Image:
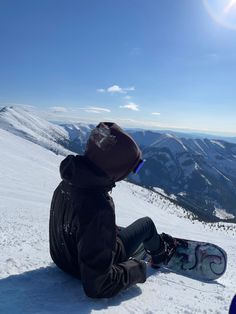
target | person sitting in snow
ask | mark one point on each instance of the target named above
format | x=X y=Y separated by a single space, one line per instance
x=84 y=239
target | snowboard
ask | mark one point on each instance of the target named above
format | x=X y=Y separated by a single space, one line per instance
x=198 y=260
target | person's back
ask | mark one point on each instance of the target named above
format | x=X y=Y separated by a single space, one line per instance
x=63 y=230
x=83 y=234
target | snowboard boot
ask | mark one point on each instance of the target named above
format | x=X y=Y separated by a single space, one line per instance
x=167 y=248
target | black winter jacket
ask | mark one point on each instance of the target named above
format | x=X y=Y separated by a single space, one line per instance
x=83 y=234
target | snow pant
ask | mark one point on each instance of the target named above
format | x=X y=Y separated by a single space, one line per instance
x=140 y=232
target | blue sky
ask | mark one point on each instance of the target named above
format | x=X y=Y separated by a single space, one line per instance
x=153 y=63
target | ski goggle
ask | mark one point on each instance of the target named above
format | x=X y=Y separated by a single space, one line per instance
x=139 y=166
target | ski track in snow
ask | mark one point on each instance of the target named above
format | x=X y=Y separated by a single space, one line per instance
x=29 y=281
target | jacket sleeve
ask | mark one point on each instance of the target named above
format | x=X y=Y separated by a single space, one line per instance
x=100 y=277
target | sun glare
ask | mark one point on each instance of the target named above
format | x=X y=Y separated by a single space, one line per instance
x=231 y=5
x=222 y=11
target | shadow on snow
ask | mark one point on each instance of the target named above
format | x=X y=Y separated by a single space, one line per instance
x=49 y=290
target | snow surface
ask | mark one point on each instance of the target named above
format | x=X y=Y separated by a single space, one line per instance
x=28 y=125
x=30 y=283
x=222 y=214
x=218 y=143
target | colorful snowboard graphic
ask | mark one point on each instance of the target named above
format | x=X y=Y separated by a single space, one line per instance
x=198 y=260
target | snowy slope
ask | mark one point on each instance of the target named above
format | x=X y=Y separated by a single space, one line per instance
x=30 y=283
x=24 y=123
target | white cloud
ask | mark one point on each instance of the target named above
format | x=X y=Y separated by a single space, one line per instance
x=131 y=106
x=92 y=111
x=95 y=109
x=58 y=109
x=132 y=121
x=131 y=88
x=99 y=109
x=156 y=113
x=116 y=89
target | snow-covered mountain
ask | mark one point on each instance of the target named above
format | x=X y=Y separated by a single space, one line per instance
x=61 y=139
x=78 y=134
x=142 y=135
x=26 y=124
x=200 y=173
x=30 y=283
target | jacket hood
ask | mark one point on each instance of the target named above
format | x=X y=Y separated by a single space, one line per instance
x=82 y=173
x=112 y=150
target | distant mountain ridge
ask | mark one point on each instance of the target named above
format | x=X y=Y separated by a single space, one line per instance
x=201 y=173
x=197 y=173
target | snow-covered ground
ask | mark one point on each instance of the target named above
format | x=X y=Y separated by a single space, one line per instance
x=30 y=283
x=28 y=125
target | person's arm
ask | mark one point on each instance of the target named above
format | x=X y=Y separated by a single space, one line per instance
x=100 y=278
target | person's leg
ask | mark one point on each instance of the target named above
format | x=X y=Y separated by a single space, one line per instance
x=143 y=231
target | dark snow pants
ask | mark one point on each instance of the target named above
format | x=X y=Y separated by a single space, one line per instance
x=141 y=231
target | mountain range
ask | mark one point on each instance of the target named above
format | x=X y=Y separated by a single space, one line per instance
x=196 y=172
x=31 y=283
